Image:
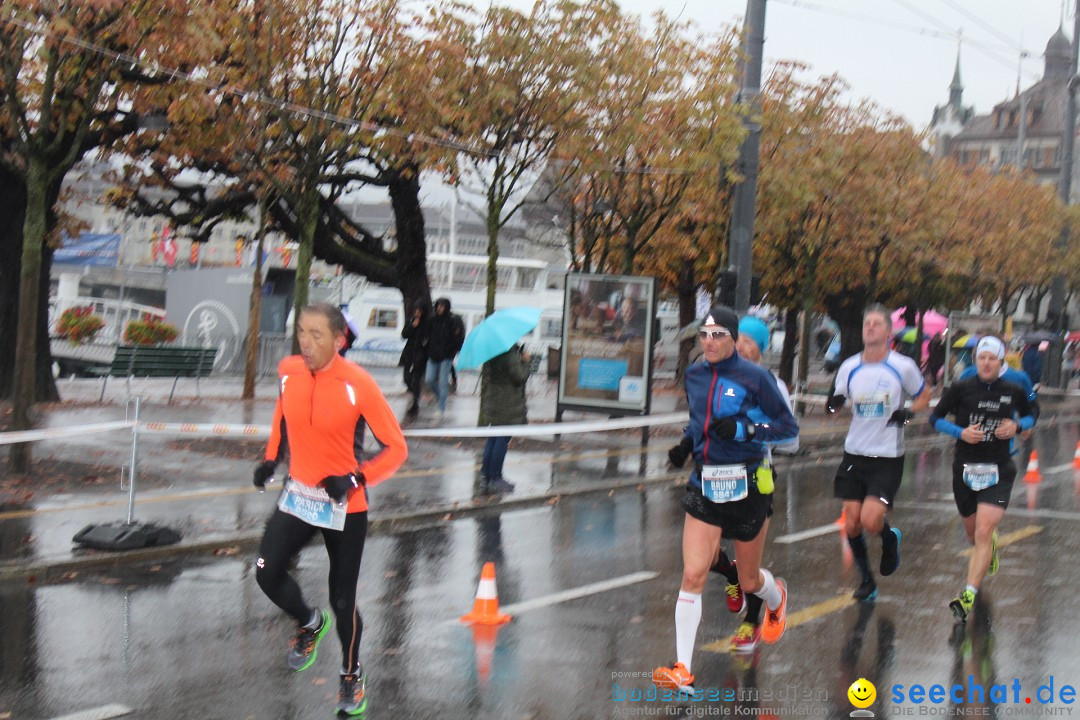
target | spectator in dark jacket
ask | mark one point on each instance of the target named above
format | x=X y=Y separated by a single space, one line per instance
x=445 y=336
x=1032 y=363
x=502 y=402
x=935 y=359
x=414 y=355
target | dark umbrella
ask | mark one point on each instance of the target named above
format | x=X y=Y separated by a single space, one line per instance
x=1034 y=337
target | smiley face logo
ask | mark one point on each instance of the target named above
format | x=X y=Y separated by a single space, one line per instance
x=862 y=693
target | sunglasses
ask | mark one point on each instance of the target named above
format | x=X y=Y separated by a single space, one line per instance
x=715 y=334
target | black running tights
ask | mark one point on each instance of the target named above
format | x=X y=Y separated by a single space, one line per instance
x=285 y=536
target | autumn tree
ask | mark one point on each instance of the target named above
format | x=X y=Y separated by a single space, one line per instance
x=68 y=74
x=386 y=124
x=659 y=123
x=524 y=80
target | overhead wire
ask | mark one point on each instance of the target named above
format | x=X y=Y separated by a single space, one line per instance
x=1011 y=42
x=981 y=47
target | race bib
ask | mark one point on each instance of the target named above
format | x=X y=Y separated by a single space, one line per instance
x=980 y=476
x=875 y=405
x=724 y=483
x=312 y=505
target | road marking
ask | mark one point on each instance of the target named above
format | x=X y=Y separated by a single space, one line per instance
x=1003 y=540
x=842 y=601
x=795 y=619
x=807 y=534
x=102 y=713
x=1013 y=512
x=578 y=592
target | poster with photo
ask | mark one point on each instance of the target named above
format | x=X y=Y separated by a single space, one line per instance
x=607 y=341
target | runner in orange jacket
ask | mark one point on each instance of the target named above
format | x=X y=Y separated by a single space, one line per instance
x=325 y=404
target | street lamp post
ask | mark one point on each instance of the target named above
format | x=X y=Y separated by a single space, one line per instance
x=741 y=235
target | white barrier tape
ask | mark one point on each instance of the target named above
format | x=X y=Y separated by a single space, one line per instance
x=21 y=436
x=566 y=428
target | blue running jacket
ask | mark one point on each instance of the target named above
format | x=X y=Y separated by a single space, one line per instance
x=733 y=388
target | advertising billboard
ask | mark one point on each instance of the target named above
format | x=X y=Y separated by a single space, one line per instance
x=607 y=341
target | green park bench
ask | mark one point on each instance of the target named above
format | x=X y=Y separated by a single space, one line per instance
x=159 y=361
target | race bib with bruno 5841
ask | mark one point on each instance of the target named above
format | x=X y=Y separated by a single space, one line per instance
x=724 y=483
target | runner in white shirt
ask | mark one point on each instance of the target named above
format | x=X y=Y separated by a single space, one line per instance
x=877 y=382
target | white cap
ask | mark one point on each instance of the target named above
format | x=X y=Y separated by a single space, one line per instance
x=990 y=344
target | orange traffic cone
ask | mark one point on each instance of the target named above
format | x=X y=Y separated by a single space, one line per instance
x=486 y=608
x=1033 y=474
x=1076 y=456
x=842 y=520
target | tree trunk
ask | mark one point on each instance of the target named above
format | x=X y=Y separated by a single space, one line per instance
x=12 y=218
x=251 y=359
x=804 y=353
x=787 y=353
x=308 y=217
x=687 y=306
x=25 y=376
x=411 y=261
x=628 y=253
x=493 y=256
x=846 y=308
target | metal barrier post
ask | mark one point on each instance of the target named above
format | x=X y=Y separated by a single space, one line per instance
x=134 y=457
x=128 y=535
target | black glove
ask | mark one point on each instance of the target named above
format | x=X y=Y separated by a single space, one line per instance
x=727 y=428
x=338 y=486
x=264 y=472
x=678 y=454
x=835 y=402
x=900 y=418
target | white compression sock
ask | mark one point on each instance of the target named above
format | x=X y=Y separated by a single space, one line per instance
x=769 y=592
x=687 y=619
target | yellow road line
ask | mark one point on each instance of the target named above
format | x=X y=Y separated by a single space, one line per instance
x=1003 y=540
x=795 y=619
x=840 y=602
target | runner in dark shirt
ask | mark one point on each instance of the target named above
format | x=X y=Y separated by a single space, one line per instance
x=989 y=412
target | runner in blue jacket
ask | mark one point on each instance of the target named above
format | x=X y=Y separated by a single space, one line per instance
x=722 y=496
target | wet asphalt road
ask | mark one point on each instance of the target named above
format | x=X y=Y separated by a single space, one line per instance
x=195 y=638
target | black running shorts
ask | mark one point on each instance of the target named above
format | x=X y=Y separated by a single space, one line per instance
x=860 y=477
x=740 y=520
x=967 y=500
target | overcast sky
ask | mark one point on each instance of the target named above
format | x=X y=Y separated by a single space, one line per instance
x=899 y=53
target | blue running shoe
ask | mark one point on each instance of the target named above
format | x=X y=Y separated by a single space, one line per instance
x=890 y=552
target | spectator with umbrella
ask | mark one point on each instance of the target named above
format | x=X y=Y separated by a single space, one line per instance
x=506 y=365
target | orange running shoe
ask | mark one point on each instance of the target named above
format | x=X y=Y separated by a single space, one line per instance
x=676 y=677
x=776 y=619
